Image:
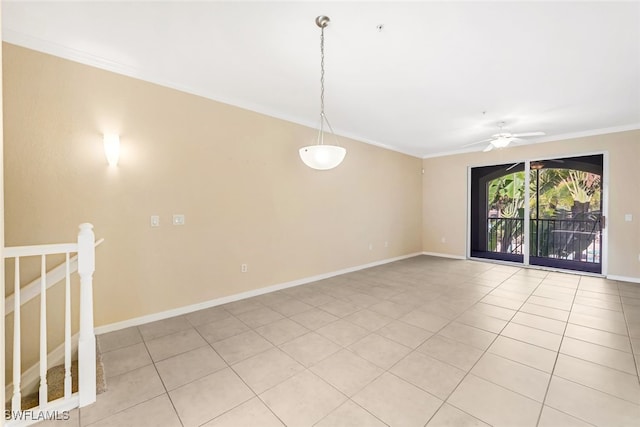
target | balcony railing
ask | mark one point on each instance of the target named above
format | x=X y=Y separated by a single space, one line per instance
x=564 y=239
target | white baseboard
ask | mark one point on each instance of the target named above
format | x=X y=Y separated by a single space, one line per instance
x=236 y=297
x=30 y=379
x=623 y=278
x=440 y=255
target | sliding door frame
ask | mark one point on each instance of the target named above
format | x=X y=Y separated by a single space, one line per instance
x=604 y=256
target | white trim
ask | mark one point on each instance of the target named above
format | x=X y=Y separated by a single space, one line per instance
x=441 y=255
x=623 y=278
x=236 y=297
x=31 y=377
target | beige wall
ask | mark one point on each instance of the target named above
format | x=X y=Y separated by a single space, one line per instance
x=444 y=194
x=2 y=358
x=235 y=175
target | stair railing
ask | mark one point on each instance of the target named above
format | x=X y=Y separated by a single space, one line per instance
x=85 y=249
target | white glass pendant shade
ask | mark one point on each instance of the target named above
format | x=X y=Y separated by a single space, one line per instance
x=322 y=157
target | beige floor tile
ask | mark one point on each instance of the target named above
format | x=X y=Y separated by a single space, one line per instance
x=342 y=332
x=118 y=339
x=590 y=405
x=539 y=322
x=427 y=321
x=316 y=299
x=514 y=376
x=186 y=367
x=527 y=354
x=432 y=375
x=380 y=351
x=516 y=296
x=608 y=380
x=606 y=356
x=252 y=413
x=302 y=400
x=449 y=416
x=596 y=336
x=362 y=300
x=309 y=349
x=493 y=404
x=204 y=399
x=125 y=359
x=595 y=302
x=370 y=320
x=281 y=331
x=455 y=353
x=468 y=335
x=242 y=346
x=267 y=369
x=502 y=302
x=157 y=412
x=482 y=321
x=635 y=344
x=164 y=327
x=346 y=371
x=170 y=345
x=601 y=313
x=208 y=315
x=493 y=311
x=598 y=295
x=391 y=309
x=350 y=414
x=550 y=302
x=610 y=325
x=221 y=329
x=532 y=336
x=314 y=319
x=290 y=307
x=553 y=418
x=396 y=402
x=124 y=391
x=405 y=334
x=339 y=308
x=259 y=317
x=549 y=312
x=242 y=306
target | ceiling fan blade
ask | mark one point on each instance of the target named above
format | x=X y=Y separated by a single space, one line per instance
x=519 y=135
x=489 y=148
x=479 y=142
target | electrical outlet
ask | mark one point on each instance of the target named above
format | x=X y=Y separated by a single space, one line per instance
x=155 y=221
x=370 y=246
x=178 y=219
x=244 y=268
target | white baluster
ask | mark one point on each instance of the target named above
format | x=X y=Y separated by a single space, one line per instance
x=87 y=340
x=67 y=330
x=43 y=332
x=16 y=401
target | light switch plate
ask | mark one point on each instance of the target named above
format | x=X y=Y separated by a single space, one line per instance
x=155 y=221
x=628 y=217
x=178 y=219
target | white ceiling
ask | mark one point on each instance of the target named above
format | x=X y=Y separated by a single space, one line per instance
x=419 y=86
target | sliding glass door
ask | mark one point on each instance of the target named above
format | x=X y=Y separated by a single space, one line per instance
x=564 y=203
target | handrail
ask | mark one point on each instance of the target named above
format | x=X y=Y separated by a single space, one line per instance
x=22 y=251
x=54 y=276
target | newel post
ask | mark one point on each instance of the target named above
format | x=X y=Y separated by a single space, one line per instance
x=87 y=340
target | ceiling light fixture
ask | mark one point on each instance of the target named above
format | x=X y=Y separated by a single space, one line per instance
x=322 y=156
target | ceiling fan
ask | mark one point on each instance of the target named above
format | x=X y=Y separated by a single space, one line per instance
x=503 y=138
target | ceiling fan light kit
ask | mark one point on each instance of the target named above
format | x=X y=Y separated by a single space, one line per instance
x=503 y=138
x=322 y=156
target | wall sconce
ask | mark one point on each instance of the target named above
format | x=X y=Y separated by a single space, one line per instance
x=112 y=148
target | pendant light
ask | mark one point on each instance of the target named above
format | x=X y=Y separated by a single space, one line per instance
x=322 y=156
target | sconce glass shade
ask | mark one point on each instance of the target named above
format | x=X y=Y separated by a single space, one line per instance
x=112 y=148
x=322 y=157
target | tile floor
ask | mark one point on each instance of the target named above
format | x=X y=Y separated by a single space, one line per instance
x=423 y=341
